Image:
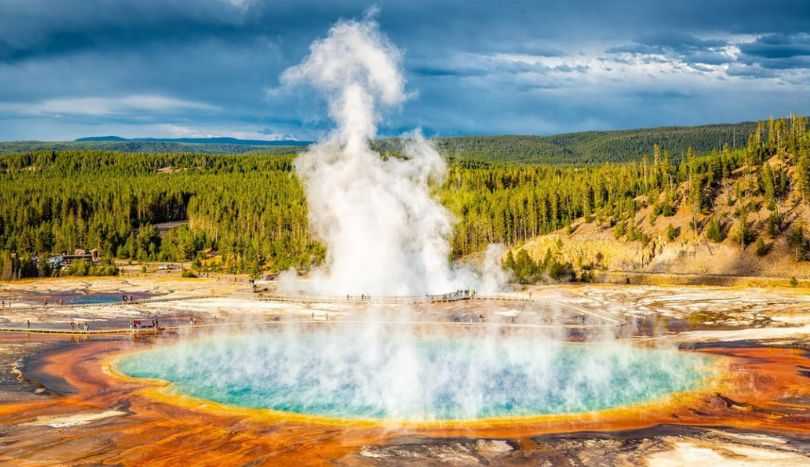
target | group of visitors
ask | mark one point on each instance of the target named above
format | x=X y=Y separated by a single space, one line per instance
x=83 y=326
x=46 y=301
x=458 y=294
x=136 y=324
x=461 y=293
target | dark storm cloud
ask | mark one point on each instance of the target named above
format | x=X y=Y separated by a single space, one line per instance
x=687 y=48
x=36 y=28
x=779 y=45
x=778 y=51
x=474 y=66
x=659 y=42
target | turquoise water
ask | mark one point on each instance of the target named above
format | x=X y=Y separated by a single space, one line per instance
x=94 y=299
x=397 y=375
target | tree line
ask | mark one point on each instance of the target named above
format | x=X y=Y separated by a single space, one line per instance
x=247 y=212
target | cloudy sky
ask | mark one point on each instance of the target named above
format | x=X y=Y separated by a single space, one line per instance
x=196 y=68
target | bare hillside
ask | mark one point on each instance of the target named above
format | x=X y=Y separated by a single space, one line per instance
x=655 y=242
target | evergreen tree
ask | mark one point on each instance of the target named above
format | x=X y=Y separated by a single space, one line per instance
x=714 y=231
x=802 y=175
x=672 y=233
x=797 y=242
x=761 y=247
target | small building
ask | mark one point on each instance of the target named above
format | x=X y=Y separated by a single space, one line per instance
x=79 y=254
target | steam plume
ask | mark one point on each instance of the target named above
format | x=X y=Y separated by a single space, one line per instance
x=385 y=233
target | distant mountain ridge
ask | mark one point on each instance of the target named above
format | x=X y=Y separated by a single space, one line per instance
x=211 y=140
x=581 y=148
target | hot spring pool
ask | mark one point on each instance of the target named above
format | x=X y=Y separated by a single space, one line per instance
x=383 y=374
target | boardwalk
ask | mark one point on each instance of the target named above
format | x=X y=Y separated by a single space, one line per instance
x=459 y=295
x=470 y=296
x=428 y=299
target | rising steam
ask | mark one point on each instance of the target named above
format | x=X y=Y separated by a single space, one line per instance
x=384 y=231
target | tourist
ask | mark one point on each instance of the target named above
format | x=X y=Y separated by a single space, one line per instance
x=28 y=323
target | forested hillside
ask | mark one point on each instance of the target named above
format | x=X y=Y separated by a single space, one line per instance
x=247 y=212
x=592 y=146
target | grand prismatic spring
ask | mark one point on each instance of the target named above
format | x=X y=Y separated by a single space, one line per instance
x=395 y=375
